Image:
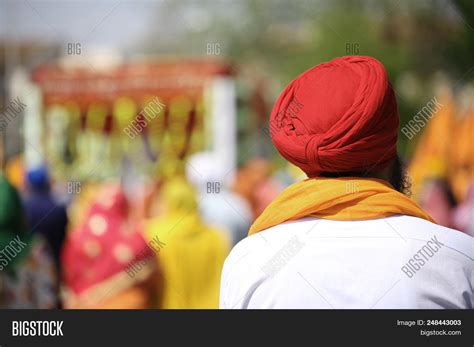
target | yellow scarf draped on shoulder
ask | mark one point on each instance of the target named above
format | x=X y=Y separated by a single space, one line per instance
x=348 y=198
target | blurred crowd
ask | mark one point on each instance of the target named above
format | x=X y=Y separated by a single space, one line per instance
x=442 y=167
x=107 y=248
x=162 y=242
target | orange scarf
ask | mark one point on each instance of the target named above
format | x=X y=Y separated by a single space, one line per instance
x=350 y=198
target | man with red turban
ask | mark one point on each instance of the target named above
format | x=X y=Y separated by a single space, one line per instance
x=348 y=236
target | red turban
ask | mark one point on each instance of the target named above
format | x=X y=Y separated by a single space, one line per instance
x=339 y=116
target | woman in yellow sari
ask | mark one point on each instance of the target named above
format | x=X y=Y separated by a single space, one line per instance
x=191 y=253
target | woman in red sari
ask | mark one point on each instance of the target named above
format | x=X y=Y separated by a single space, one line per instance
x=107 y=263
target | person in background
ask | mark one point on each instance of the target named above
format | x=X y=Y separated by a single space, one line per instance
x=28 y=277
x=254 y=182
x=266 y=188
x=15 y=172
x=192 y=254
x=437 y=198
x=348 y=236
x=463 y=215
x=44 y=215
x=106 y=262
x=218 y=205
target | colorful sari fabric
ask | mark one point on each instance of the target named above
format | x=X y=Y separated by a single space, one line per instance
x=106 y=256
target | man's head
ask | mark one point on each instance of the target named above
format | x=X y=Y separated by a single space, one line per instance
x=340 y=118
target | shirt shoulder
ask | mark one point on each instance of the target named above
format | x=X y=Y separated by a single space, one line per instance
x=417 y=229
x=248 y=270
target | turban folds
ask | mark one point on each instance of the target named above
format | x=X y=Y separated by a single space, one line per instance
x=339 y=116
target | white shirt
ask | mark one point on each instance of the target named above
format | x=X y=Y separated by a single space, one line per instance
x=399 y=262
